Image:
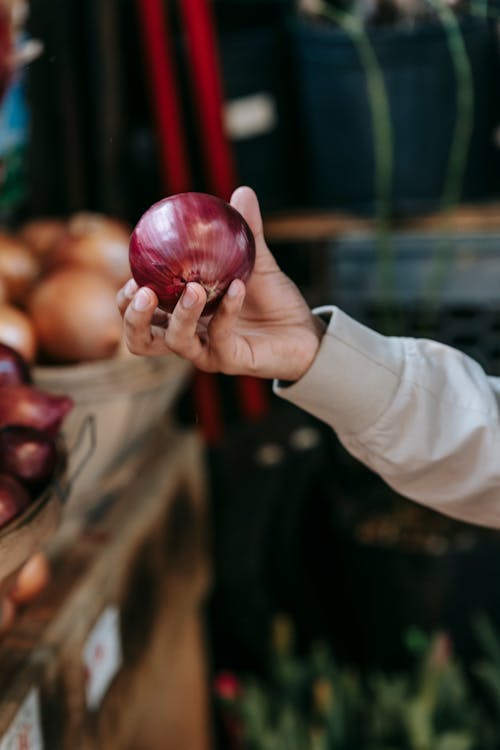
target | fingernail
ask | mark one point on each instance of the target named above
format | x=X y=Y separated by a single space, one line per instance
x=189 y=298
x=234 y=289
x=142 y=300
x=130 y=288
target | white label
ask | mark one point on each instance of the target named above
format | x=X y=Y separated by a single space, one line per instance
x=25 y=732
x=102 y=656
x=250 y=116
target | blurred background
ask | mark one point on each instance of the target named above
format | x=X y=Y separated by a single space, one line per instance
x=339 y=614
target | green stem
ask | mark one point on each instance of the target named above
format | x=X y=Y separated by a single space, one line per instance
x=383 y=144
x=460 y=143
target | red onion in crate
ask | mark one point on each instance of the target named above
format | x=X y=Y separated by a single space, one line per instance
x=191 y=237
x=29 y=455
x=26 y=405
x=14 y=499
x=14 y=369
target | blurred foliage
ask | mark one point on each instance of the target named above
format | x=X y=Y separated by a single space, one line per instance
x=312 y=703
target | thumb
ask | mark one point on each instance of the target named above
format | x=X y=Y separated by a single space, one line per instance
x=245 y=201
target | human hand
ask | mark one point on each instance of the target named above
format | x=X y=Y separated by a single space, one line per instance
x=265 y=329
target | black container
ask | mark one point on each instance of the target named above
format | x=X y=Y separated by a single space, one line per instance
x=258 y=86
x=421 y=86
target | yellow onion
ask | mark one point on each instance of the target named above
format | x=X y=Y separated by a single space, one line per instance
x=96 y=242
x=75 y=316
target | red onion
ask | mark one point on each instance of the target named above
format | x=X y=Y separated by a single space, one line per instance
x=14 y=369
x=14 y=499
x=191 y=237
x=29 y=455
x=26 y=405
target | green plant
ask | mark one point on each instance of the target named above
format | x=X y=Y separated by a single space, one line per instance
x=313 y=703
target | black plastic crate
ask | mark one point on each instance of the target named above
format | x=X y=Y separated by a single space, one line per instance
x=462 y=309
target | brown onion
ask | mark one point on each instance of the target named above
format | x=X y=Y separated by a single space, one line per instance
x=17 y=331
x=191 y=237
x=14 y=499
x=19 y=269
x=27 y=405
x=96 y=242
x=32 y=579
x=42 y=235
x=75 y=316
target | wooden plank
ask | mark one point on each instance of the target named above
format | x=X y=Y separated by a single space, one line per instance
x=322 y=226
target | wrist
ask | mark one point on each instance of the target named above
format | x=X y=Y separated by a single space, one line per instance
x=308 y=352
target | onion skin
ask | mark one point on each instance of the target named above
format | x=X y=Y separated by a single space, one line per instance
x=191 y=237
x=17 y=331
x=41 y=235
x=14 y=369
x=96 y=242
x=19 y=268
x=26 y=405
x=29 y=455
x=75 y=316
x=14 y=499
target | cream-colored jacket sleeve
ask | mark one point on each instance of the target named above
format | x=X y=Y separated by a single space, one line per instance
x=421 y=414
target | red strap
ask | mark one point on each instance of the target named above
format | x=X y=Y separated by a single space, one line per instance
x=221 y=170
x=159 y=58
x=205 y=72
x=174 y=165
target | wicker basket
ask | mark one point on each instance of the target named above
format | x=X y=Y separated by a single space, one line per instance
x=118 y=405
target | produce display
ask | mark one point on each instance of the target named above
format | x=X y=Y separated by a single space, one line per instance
x=58 y=284
x=191 y=237
x=30 y=421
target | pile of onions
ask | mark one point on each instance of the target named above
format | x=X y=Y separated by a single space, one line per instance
x=19 y=268
x=95 y=242
x=30 y=421
x=58 y=284
x=191 y=237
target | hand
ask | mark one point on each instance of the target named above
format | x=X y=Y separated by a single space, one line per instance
x=265 y=330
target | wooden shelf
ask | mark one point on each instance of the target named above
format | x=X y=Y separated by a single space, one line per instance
x=322 y=226
x=143 y=560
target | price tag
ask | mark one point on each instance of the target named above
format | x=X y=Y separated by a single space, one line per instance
x=25 y=732
x=250 y=116
x=102 y=656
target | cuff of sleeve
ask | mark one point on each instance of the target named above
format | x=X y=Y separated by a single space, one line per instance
x=353 y=378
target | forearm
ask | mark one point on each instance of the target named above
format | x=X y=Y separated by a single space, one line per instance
x=420 y=414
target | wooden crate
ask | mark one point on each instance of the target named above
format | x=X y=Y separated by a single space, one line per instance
x=125 y=603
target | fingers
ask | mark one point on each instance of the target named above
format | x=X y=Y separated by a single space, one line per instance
x=125 y=295
x=222 y=326
x=140 y=316
x=217 y=350
x=245 y=201
x=181 y=335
